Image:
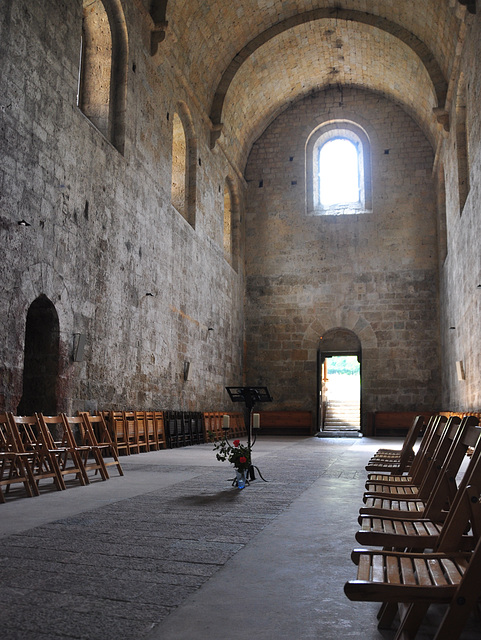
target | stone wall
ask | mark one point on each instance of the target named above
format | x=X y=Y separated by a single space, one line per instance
x=461 y=270
x=374 y=273
x=104 y=243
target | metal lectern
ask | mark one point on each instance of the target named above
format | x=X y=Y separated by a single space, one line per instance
x=249 y=396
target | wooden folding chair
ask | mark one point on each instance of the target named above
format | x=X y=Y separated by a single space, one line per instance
x=130 y=426
x=118 y=431
x=96 y=434
x=397 y=533
x=429 y=443
x=408 y=583
x=160 y=429
x=14 y=465
x=61 y=442
x=171 y=429
x=197 y=427
x=444 y=488
x=150 y=431
x=44 y=462
x=428 y=465
x=89 y=451
x=141 y=431
x=399 y=463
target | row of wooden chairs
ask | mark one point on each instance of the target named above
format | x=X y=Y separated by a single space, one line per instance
x=38 y=447
x=184 y=428
x=136 y=431
x=428 y=528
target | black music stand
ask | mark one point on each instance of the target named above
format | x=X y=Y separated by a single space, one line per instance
x=249 y=396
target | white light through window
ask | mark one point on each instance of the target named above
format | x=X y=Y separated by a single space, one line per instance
x=338 y=173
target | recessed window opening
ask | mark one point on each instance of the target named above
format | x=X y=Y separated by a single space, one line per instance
x=339 y=179
x=338 y=169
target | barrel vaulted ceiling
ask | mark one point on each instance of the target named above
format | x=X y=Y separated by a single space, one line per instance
x=247 y=61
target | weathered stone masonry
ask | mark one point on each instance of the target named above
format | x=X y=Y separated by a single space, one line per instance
x=150 y=287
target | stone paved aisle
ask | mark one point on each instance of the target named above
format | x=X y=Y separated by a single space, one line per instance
x=173 y=552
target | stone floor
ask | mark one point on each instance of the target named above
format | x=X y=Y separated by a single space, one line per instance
x=171 y=551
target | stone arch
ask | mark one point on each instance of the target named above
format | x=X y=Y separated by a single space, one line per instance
x=419 y=48
x=340 y=339
x=345 y=319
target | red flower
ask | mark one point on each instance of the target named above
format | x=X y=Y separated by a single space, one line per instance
x=236 y=443
x=242 y=459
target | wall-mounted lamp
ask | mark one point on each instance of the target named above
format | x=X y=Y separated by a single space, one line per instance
x=79 y=340
x=186 y=371
x=451 y=328
x=151 y=295
x=23 y=223
x=460 y=370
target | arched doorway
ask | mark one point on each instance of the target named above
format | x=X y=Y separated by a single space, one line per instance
x=339 y=382
x=40 y=368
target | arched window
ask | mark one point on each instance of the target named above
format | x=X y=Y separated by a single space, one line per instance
x=103 y=68
x=184 y=153
x=179 y=167
x=231 y=223
x=227 y=222
x=339 y=173
x=462 y=144
x=338 y=169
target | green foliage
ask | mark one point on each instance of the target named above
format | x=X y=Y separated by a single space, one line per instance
x=343 y=365
x=236 y=453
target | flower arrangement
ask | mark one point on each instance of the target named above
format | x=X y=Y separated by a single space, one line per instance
x=236 y=453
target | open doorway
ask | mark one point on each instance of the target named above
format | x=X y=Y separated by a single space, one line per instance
x=341 y=393
x=339 y=382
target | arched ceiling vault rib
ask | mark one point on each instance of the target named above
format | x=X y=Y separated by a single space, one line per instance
x=422 y=51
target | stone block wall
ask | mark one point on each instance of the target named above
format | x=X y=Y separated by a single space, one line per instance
x=374 y=273
x=460 y=298
x=104 y=243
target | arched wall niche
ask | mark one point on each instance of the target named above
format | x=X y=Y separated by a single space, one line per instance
x=38 y=280
x=41 y=359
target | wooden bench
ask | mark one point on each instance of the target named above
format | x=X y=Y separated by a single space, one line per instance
x=286 y=423
x=394 y=423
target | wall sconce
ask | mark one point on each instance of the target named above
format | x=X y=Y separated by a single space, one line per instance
x=79 y=340
x=460 y=370
x=23 y=223
x=186 y=371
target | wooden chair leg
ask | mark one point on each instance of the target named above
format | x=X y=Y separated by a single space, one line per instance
x=386 y=615
x=411 y=618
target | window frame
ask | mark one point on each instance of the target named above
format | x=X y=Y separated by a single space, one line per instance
x=324 y=133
